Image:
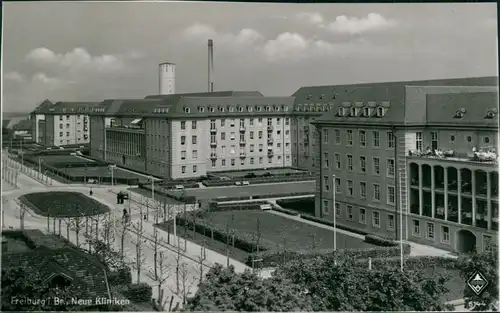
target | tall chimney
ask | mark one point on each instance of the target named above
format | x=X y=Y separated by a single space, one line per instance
x=210 y=65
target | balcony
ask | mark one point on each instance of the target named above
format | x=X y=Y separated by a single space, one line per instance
x=482 y=155
x=242 y=128
x=213 y=144
x=270 y=152
x=270 y=141
x=243 y=142
x=243 y=155
x=213 y=156
x=270 y=128
x=213 y=130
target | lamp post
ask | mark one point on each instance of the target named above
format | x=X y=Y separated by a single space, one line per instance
x=334 y=215
x=152 y=189
x=111 y=167
x=39 y=167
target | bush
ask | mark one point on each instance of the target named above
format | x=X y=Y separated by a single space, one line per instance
x=140 y=292
x=379 y=241
x=271 y=258
x=122 y=276
x=304 y=205
x=286 y=211
x=221 y=206
x=330 y=223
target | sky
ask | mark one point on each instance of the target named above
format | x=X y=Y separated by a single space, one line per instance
x=78 y=51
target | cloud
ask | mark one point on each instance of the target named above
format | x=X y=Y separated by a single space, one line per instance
x=311 y=17
x=41 y=79
x=354 y=25
x=79 y=59
x=14 y=77
x=245 y=37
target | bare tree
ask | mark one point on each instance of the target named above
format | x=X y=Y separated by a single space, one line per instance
x=187 y=282
x=108 y=230
x=177 y=266
x=156 y=244
x=139 y=256
x=22 y=214
x=160 y=274
x=185 y=226
x=77 y=223
x=201 y=259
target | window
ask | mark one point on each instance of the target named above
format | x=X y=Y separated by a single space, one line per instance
x=391 y=140
x=376 y=219
x=260 y=134
x=60 y=126
x=419 y=141
x=183 y=169
x=193 y=140
x=416 y=228
x=287 y=121
x=349 y=163
x=390 y=167
x=223 y=163
x=430 y=231
x=349 y=213
x=193 y=125
x=376 y=139
x=183 y=155
x=260 y=147
x=337 y=185
x=270 y=160
x=486 y=140
x=325 y=183
x=434 y=141
x=376 y=166
x=350 y=188
x=362 y=138
x=223 y=150
x=67 y=125
x=231 y=122
x=390 y=221
x=194 y=154
x=287 y=133
x=213 y=163
x=325 y=206
x=251 y=121
x=391 y=195
x=337 y=209
x=223 y=136
x=183 y=140
x=251 y=134
x=60 y=117
x=349 y=137
x=325 y=159
x=337 y=161
x=338 y=137
x=362 y=190
x=252 y=160
x=183 y=125
x=362 y=216
x=212 y=124
x=325 y=135
x=233 y=149
x=195 y=168
x=376 y=192
x=445 y=234
x=362 y=164
x=260 y=160
x=61 y=134
x=233 y=162
x=278 y=145
x=252 y=147
x=212 y=138
x=233 y=135
x=222 y=123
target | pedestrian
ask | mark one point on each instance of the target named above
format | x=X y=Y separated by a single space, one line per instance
x=91 y=192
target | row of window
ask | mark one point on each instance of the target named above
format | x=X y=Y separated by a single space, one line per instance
x=419 y=140
x=232 y=162
x=67 y=117
x=248 y=108
x=260 y=120
x=61 y=134
x=430 y=232
x=362 y=164
x=232 y=148
x=362 y=138
x=362 y=189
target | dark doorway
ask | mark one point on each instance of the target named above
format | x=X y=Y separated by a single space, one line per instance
x=466 y=241
x=123 y=160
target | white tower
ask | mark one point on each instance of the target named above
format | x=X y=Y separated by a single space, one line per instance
x=166 y=78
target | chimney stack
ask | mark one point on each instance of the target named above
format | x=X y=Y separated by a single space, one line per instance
x=210 y=65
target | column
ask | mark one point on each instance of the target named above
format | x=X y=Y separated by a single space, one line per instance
x=488 y=198
x=459 y=191
x=445 y=193
x=473 y=180
x=433 y=192
x=420 y=191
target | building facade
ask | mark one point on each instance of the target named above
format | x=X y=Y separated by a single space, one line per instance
x=398 y=148
x=190 y=135
x=61 y=123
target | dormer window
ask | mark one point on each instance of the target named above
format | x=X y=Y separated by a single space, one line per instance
x=460 y=113
x=491 y=113
x=354 y=112
x=201 y=109
x=221 y=109
x=249 y=108
x=318 y=109
x=285 y=108
x=322 y=96
x=259 y=109
x=367 y=112
x=231 y=109
x=240 y=109
x=324 y=109
x=380 y=112
x=276 y=108
x=342 y=111
x=212 y=109
x=309 y=96
x=187 y=110
x=268 y=109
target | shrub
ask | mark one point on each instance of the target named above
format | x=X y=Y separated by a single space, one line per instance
x=286 y=211
x=379 y=241
x=330 y=223
x=122 y=276
x=236 y=206
x=304 y=205
x=140 y=292
x=272 y=258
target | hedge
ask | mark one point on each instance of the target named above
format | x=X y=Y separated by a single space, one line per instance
x=303 y=205
x=214 y=206
x=122 y=276
x=138 y=293
x=258 y=180
x=271 y=258
x=286 y=211
x=330 y=223
x=419 y=262
x=241 y=241
x=379 y=241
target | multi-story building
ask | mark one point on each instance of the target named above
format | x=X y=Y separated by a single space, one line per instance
x=392 y=148
x=61 y=123
x=312 y=102
x=190 y=135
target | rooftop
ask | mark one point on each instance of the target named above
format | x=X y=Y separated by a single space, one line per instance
x=62 y=107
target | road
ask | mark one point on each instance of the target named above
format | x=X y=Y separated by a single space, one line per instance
x=189 y=253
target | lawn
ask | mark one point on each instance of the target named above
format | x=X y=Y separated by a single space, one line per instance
x=274 y=229
x=59 y=160
x=252 y=190
x=63 y=204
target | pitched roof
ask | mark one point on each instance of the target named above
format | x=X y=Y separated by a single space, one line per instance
x=442 y=108
x=211 y=94
x=62 y=107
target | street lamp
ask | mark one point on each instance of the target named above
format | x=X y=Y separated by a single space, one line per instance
x=111 y=167
x=334 y=215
